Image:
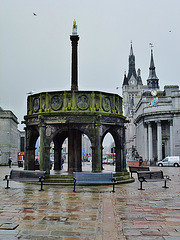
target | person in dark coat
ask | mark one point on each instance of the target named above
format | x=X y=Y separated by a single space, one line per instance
x=10 y=162
x=140 y=162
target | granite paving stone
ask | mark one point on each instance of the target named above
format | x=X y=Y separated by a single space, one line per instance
x=92 y=213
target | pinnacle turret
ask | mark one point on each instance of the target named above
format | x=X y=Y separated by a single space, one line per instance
x=152 y=81
x=132 y=70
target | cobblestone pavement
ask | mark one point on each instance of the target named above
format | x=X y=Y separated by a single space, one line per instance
x=92 y=213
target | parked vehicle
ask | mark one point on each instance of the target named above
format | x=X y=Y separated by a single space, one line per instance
x=105 y=161
x=172 y=161
x=110 y=161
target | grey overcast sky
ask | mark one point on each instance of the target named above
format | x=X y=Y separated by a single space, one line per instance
x=36 y=50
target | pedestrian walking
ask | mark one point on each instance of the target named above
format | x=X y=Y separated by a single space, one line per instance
x=10 y=162
x=140 y=162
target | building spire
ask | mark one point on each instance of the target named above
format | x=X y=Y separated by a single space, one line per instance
x=132 y=70
x=152 y=81
x=125 y=81
x=131 y=50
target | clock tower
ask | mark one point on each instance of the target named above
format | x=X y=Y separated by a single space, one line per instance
x=132 y=86
x=131 y=89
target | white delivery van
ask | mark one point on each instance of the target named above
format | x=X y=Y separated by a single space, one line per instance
x=173 y=161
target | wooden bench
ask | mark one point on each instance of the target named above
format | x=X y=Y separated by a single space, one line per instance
x=152 y=176
x=134 y=169
x=84 y=178
x=25 y=176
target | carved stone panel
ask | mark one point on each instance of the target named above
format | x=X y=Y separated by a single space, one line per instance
x=56 y=102
x=36 y=104
x=83 y=102
x=106 y=104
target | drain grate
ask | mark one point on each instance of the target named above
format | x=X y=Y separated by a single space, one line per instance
x=8 y=226
x=56 y=219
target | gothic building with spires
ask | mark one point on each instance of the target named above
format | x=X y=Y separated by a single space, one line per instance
x=153 y=115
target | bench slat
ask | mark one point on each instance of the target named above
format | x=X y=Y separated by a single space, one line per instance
x=151 y=176
x=26 y=176
x=134 y=169
x=93 y=178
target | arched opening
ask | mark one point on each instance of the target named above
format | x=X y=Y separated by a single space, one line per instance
x=37 y=154
x=70 y=150
x=31 y=148
x=108 y=153
x=59 y=155
x=86 y=153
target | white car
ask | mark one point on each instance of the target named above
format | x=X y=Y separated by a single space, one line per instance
x=173 y=161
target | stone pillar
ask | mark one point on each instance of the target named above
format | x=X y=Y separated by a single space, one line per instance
x=145 y=143
x=96 y=150
x=123 y=149
x=120 y=150
x=29 y=163
x=171 y=139
x=150 y=146
x=118 y=167
x=30 y=159
x=57 y=157
x=74 y=151
x=159 y=141
x=44 y=150
x=74 y=73
x=101 y=158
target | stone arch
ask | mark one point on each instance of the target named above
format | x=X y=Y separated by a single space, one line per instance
x=58 y=141
x=73 y=132
x=32 y=135
x=117 y=134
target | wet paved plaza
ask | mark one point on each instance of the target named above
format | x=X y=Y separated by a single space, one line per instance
x=92 y=213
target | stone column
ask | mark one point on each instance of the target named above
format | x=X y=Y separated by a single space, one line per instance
x=150 y=146
x=74 y=151
x=30 y=159
x=29 y=163
x=74 y=74
x=44 y=150
x=57 y=157
x=123 y=149
x=118 y=167
x=96 y=150
x=159 y=141
x=145 y=143
x=171 y=138
x=120 y=154
x=101 y=158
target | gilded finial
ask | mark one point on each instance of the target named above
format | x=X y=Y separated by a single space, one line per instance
x=74 y=31
x=151 y=45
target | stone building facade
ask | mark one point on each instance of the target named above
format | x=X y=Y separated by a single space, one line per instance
x=157 y=120
x=153 y=115
x=9 y=137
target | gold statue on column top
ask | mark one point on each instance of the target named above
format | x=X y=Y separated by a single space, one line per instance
x=74 y=31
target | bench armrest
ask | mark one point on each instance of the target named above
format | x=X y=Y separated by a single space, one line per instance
x=6 y=177
x=41 y=178
x=167 y=177
x=142 y=179
x=113 y=179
